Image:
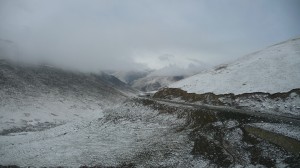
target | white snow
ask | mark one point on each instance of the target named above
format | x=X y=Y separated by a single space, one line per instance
x=274 y=69
x=49 y=109
x=126 y=133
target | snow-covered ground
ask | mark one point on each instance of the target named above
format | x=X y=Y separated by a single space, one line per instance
x=274 y=69
x=127 y=133
x=45 y=111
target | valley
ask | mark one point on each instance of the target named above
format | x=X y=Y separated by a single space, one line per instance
x=52 y=117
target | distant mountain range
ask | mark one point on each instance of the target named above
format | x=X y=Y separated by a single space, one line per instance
x=153 y=80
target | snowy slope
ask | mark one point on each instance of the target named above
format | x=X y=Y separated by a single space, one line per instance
x=40 y=97
x=124 y=134
x=274 y=69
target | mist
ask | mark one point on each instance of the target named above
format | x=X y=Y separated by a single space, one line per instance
x=132 y=34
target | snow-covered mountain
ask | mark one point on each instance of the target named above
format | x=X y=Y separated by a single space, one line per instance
x=273 y=69
x=129 y=76
x=152 y=83
x=42 y=96
x=166 y=76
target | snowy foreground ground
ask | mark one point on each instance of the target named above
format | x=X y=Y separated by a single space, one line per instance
x=124 y=134
x=134 y=135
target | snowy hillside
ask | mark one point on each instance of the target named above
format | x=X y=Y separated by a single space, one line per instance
x=274 y=69
x=35 y=98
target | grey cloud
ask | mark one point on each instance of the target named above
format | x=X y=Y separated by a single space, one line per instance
x=93 y=35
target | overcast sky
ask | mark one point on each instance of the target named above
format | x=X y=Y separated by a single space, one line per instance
x=132 y=34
